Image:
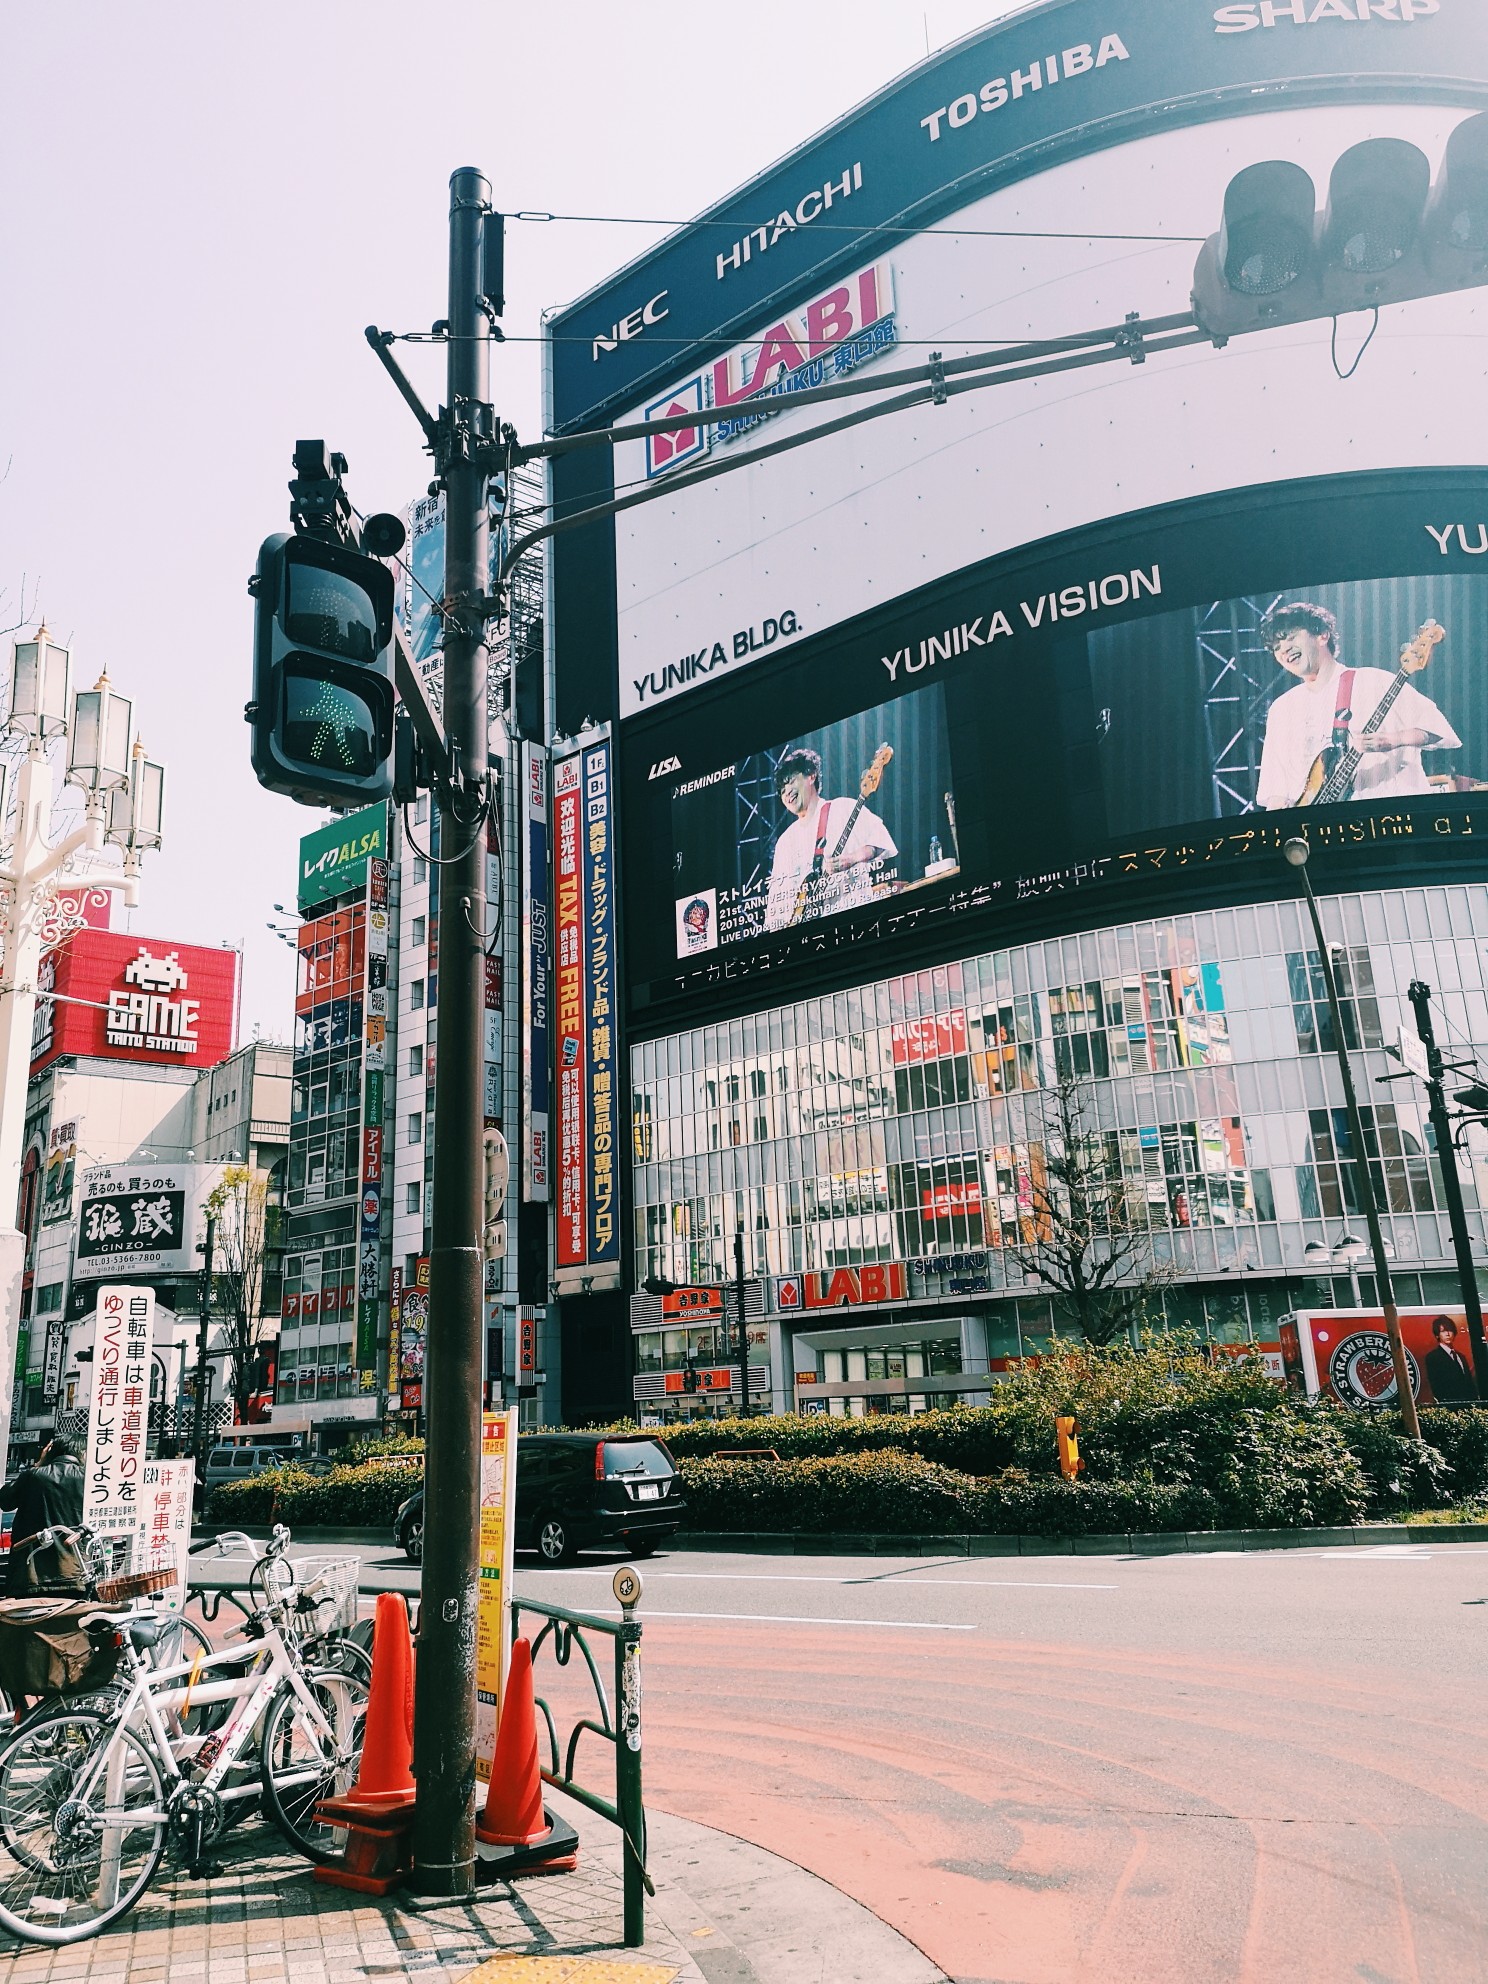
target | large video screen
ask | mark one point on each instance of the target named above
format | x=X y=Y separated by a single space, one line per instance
x=1175 y=697
x=828 y=820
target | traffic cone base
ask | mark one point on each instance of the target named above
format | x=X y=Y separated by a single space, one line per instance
x=555 y=1851
x=379 y=1843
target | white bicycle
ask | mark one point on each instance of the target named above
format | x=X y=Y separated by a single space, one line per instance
x=90 y=1801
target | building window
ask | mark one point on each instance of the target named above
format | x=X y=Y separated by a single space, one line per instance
x=416 y=934
x=1356 y=999
x=416 y=995
x=414 y=1195
x=415 y=1128
x=416 y=1059
x=420 y=869
x=421 y=809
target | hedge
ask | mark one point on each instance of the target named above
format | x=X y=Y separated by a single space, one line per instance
x=365 y=1496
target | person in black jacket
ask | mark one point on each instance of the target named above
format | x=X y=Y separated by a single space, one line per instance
x=1447 y=1371
x=46 y=1496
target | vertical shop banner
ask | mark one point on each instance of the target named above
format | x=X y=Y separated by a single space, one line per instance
x=395 y=1328
x=535 y=970
x=167 y=1491
x=498 y=1500
x=413 y=1331
x=119 y=1414
x=568 y=973
x=374 y=1064
x=602 y=1228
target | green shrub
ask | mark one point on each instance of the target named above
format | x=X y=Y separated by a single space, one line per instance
x=855 y=1492
x=251 y=1500
x=347 y=1498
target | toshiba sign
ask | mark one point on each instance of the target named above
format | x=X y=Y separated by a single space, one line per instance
x=137 y=999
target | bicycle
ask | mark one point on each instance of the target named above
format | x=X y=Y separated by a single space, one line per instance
x=90 y=1800
x=323 y=1625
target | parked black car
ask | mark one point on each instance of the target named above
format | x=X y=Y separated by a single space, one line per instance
x=578 y=1492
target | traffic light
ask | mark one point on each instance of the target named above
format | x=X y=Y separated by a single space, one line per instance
x=1386 y=234
x=1474 y=1098
x=493 y=1225
x=1065 y=1434
x=322 y=709
x=690 y=1379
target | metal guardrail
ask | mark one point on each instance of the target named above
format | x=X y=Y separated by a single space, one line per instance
x=567 y=1630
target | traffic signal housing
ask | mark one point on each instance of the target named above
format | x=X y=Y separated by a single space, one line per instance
x=1386 y=235
x=323 y=699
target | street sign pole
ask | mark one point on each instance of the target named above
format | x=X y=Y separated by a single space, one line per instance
x=1419 y=995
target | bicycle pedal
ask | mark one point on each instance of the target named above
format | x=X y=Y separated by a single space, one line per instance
x=204 y=1870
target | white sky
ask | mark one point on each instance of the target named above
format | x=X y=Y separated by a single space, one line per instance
x=203 y=207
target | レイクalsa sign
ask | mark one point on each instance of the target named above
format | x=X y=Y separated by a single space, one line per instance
x=137 y=999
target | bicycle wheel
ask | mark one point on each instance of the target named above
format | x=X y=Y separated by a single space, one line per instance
x=304 y=1763
x=80 y=1861
x=339 y=1653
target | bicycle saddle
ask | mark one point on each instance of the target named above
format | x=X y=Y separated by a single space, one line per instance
x=144 y=1629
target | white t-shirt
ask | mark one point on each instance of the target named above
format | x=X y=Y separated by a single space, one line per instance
x=1299 y=724
x=795 y=852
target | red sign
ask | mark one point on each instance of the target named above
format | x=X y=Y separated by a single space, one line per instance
x=526 y=1345
x=147 y=1001
x=707 y=1381
x=843 y=1288
x=954 y=1201
x=1346 y=1354
x=929 y=1040
x=371 y=1155
x=692 y=1305
x=569 y=978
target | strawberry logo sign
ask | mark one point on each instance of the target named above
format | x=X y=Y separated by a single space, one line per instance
x=1362 y=1373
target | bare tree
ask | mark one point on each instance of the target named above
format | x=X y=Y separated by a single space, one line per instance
x=245 y=1238
x=1085 y=1236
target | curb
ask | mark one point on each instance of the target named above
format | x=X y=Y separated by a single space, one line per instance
x=1125 y=1544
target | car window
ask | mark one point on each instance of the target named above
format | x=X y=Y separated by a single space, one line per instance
x=221 y=1457
x=242 y=1459
x=637 y=1457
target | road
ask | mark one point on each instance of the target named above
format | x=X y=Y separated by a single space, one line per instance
x=1262 y=1768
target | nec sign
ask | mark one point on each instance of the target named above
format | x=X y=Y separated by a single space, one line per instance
x=631 y=326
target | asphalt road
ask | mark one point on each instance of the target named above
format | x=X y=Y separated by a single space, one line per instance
x=1259 y=1767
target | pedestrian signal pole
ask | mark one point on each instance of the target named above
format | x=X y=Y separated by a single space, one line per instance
x=444 y=1704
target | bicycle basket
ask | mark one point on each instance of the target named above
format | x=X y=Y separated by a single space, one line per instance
x=45 y=1651
x=134 y=1584
x=334 y=1608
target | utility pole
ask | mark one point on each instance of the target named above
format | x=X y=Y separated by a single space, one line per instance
x=1295 y=852
x=444 y=1710
x=743 y=1344
x=1419 y=995
x=204 y=1307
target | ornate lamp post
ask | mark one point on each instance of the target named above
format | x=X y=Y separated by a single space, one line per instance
x=41 y=887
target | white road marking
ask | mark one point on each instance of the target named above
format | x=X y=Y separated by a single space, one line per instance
x=907 y=1579
x=795 y=1619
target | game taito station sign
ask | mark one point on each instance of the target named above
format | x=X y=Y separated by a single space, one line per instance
x=334 y=858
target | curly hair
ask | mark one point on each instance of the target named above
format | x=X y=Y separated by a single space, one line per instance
x=1299 y=616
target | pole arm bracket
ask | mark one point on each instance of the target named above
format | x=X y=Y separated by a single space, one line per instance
x=381 y=343
x=426 y=725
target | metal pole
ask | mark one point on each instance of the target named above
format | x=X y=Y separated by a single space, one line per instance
x=1419 y=995
x=628 y=1798
x=444 y=1707
x=743 y=1344
x=1365 y=1184
x=204 y=1306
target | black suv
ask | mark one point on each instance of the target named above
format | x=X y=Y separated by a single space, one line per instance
x=576 y=1491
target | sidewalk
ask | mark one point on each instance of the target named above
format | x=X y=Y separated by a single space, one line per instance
x=725 y=1913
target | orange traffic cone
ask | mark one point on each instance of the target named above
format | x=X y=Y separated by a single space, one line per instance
x=377 y=1813
x=514 y=1810
x=386 y=1772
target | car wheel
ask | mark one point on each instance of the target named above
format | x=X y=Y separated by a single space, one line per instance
x=413 y=1543
x=554 y=1544
x=643 y=1549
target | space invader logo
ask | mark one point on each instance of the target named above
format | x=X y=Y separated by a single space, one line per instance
x=683 y=444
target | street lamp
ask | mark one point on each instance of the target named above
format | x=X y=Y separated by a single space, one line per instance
x=1346 y=1253
x=42 y=882
x=1296 y=852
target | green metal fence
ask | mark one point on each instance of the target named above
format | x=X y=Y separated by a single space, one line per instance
x=564 y=1631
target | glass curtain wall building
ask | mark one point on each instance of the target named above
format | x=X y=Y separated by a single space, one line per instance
x=904 y=1127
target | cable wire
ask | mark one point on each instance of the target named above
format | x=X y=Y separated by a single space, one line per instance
x=859 y=228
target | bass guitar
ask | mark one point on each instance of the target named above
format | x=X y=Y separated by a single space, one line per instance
x=1336 y=766
x=868 y=784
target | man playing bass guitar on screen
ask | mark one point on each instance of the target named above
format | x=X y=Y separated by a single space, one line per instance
x=1344 y=732
x=829 y=856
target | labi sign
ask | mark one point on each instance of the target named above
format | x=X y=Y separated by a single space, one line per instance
x=335 y=858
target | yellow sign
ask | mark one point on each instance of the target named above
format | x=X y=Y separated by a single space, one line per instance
x=498 y=1499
